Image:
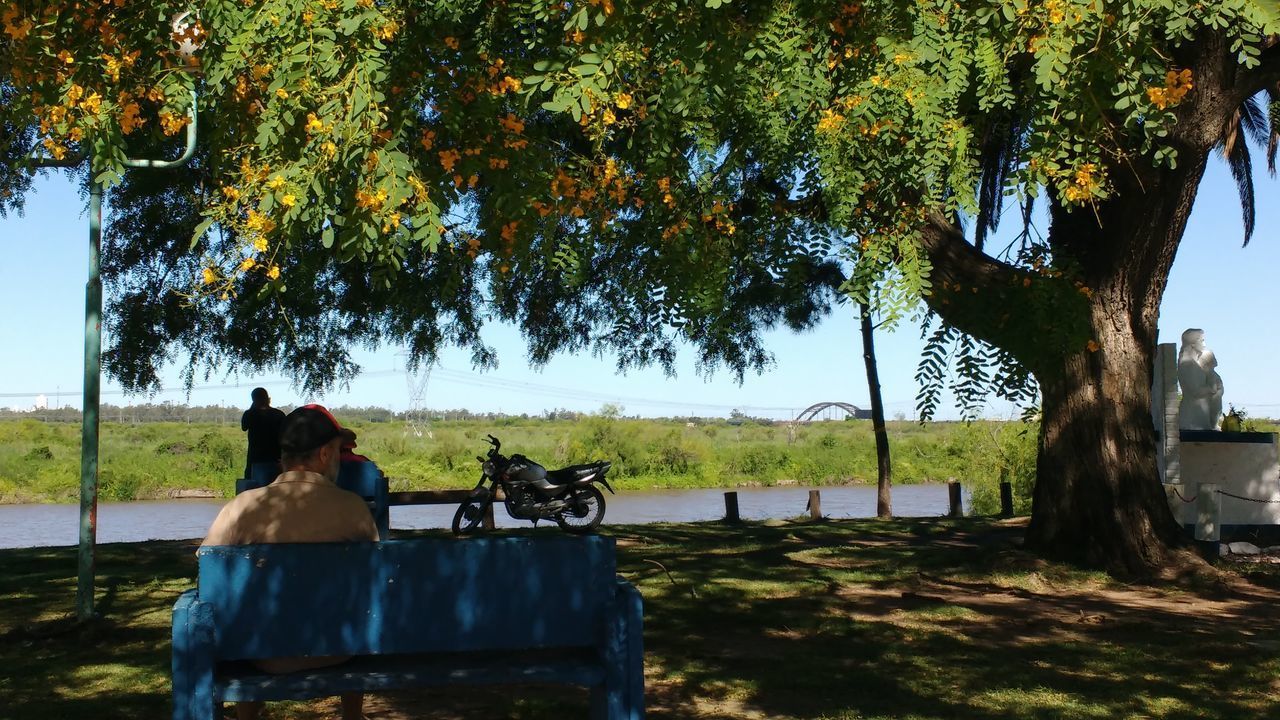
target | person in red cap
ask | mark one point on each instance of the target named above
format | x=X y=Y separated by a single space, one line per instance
x=302 y=505
x=349 y=446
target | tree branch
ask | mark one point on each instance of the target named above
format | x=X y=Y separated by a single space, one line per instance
x=1013 y=309
x=1267 y=73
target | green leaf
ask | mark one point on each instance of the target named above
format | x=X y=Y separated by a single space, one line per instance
x=199 y=232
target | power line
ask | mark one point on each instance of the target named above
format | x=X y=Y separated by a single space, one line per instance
x=459 y=377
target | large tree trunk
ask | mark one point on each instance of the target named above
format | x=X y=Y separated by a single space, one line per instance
x=1097 y=497
x=884 y=475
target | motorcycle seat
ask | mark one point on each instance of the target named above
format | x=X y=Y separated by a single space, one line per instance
x=573 y=473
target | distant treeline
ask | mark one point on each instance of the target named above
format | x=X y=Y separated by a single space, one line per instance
x=173 y=412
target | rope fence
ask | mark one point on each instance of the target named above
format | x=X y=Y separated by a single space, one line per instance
x=1242 y=497
x=1230 y=495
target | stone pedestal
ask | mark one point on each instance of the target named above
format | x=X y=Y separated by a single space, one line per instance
x=1238 y=463
x=1235 y=463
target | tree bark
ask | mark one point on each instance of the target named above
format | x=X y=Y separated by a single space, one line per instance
x=1097 y=497
x=884 y=469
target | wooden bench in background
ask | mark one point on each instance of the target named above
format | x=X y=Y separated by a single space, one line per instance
x=413 y=613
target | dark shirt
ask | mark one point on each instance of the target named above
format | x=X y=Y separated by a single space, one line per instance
x=264 y=426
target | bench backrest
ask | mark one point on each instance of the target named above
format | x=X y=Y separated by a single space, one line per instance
x=408 y=596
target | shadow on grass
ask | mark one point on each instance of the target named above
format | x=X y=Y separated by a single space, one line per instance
x=116 y=666
x=910 y=619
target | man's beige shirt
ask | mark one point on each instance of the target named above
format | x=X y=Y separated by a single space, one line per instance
x=299 y=507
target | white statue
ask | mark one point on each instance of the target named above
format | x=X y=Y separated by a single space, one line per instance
x=1213 y=382
x=1201 y=386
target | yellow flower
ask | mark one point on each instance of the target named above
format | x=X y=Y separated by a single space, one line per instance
x=247 y=264
x=288 y=201
x=512 y=124
x=170 y=123
x=609 y=118
x=209 y=276
x=129 y=120
x=257 y=222
x=329 y=149
x=273 y=272
x=66 y=57
x=282 y=93
x=451 y=42
x=260 y=244
x=314 y=124
x=276 y=183
x=830 y=122
x=448 y=158
x=92 y=103
x=622 y=100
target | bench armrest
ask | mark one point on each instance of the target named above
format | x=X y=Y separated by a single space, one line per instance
x=193 y=659
x=623 y=697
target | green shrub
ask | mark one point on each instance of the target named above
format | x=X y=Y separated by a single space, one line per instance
x=37 y=454
x=221 y=452
x=173 y=447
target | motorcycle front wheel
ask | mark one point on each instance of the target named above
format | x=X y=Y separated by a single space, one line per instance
x=582 y=514
x=470 y=514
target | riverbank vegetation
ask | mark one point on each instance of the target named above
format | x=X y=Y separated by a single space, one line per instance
x=40 y=461
x=836 y=620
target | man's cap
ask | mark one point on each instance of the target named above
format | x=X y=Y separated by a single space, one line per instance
x=307 y=428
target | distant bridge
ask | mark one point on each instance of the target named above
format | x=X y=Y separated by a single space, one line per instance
x=810 y=413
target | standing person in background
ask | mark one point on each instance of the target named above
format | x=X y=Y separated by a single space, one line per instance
x=263 y=423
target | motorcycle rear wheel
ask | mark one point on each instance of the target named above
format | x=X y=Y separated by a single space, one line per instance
x=583 y=514
x=470 y=515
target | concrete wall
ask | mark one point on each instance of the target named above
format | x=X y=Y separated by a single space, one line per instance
x=1248 y=468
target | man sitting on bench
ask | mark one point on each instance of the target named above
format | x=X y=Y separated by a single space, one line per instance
x=302 y=506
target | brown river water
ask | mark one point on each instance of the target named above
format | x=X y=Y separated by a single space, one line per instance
x=44 y=525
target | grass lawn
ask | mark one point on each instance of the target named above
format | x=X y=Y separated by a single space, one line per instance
x=844 y=620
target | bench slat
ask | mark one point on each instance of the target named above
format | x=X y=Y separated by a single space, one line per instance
x=396 y=672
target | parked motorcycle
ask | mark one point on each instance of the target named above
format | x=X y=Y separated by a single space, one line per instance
x=568 y=496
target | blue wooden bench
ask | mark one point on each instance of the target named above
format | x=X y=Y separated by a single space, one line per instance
x=413 y=613
x=361 y=478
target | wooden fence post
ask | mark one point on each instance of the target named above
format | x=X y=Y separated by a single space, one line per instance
x=1006 y=499
x=815 y=505
x=731 y=507
x=956 y=509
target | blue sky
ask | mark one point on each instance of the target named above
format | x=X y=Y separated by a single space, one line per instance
x=1215 y=285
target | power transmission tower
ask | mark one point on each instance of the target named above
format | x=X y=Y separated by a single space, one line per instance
x=417 y=420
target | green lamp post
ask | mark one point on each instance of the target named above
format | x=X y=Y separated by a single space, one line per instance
x=187 y=34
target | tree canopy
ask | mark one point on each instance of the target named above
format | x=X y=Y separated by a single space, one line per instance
x=622 y=177
x=656 y=158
